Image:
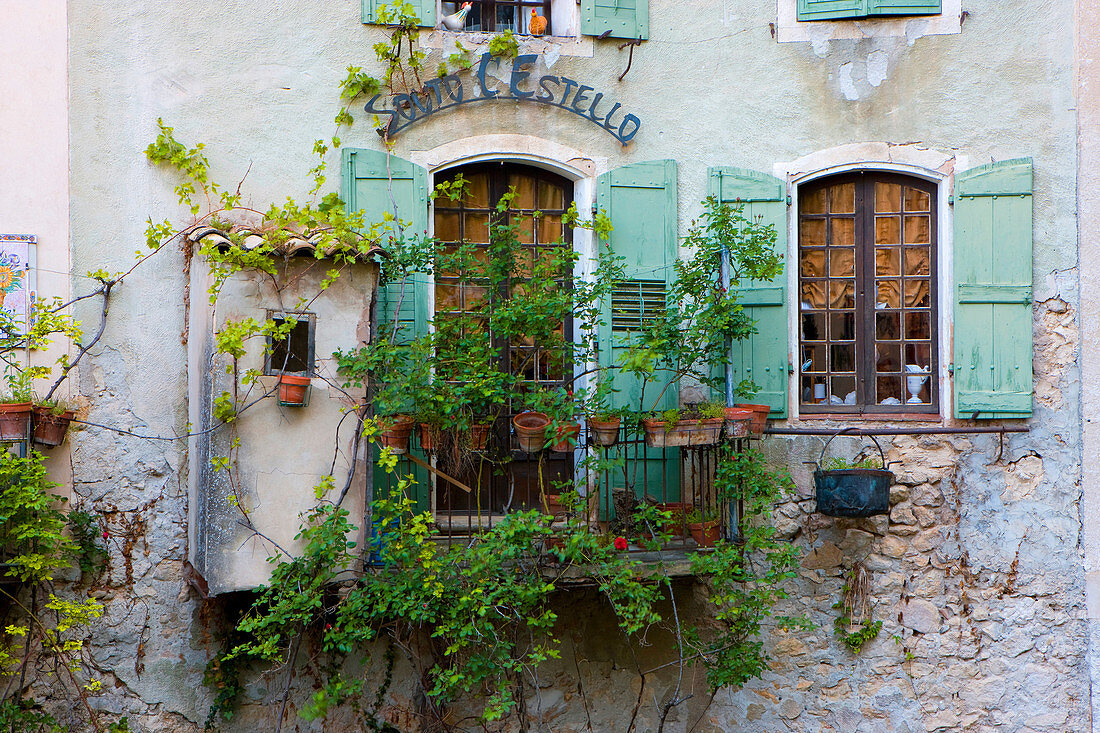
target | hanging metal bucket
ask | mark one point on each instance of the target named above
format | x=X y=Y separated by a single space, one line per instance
x=853 y=492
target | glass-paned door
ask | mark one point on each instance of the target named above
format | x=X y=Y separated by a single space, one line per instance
x=484 y=276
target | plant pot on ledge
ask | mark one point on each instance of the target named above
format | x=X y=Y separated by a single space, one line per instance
x=395 y=432
x=478 y=436
x=565 y=437
x=759 y=417
x=293 y=390
x=531 y=430
x=50 y=427
x=604 y=432
x=15 y=421
x=704 y=431
x=738 y=421
x=705 y=534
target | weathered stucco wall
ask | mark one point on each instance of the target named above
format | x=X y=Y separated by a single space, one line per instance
x=977 y=573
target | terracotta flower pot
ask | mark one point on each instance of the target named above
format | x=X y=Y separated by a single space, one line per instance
x=682 y=433
x=293 y=390
x=554 y=505
x=759 y=417
x=395 y=432
x=15 y=420
x=738 y=421
x=428 y=434
x=50 y=429
x=479 y=436
x=565 y=438
x=531 y=430
x=604 y=432
x=705 y=534
x=675 y=525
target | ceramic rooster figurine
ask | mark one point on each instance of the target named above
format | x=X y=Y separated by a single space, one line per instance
x=456 y=21
x=538 y=23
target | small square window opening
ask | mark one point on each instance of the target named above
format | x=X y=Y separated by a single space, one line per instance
x=294 y=354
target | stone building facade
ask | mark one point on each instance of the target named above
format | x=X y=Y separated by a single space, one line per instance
x=983 y=111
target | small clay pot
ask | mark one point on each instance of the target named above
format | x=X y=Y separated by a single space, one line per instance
x=15 y=420
x=293 y=390
x=428 y=435
x=738 y=421
x=479 y=436
x=531 y=430
x=395 y=432
x=50 y=429
x=705 y=534
x=562 y=436
x=759 y=417
x=604 y=432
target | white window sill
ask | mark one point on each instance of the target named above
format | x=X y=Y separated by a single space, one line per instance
x=789 y=29
x=477 y=42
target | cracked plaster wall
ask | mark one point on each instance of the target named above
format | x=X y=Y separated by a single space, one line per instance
x=977 y=570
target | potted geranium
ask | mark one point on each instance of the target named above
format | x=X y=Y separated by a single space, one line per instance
x=16 y=406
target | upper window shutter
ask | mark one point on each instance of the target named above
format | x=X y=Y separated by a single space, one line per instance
x=394 y=186
x=903 y=7
x=616 y=18
x=993 y=278
x=424 y=8
x=378 y=184
x=763 y=356
x=827 y=9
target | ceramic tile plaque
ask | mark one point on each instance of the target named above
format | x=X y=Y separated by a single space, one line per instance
x=18 y=281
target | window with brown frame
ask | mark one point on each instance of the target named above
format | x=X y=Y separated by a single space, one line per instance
x=502 y=15
x=867 y=295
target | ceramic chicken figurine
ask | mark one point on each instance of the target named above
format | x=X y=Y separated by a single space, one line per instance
x=456 y=21
x=538 y=23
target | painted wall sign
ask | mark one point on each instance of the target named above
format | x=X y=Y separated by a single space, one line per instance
x=18 y=263
x=558 y=91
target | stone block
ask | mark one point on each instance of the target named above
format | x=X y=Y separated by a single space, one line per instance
x=827 y=555
x=919 y=615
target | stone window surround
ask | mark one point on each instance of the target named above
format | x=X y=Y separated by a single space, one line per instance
x=789 y=29
x=931 y=165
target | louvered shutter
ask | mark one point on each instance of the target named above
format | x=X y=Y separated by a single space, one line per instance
x=641 y=201
x=993 y=279
x=903 y=7
x=616 y=18
x=762 y=357
x=828 y=9
x=381 y=184
x=425 y=9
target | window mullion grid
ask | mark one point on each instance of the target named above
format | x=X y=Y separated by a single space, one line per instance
x=865 y=293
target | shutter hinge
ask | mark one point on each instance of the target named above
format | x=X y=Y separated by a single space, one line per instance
x=951 y=368
x=951 y=200
x=595 y=212
x=788 y=199
x=790 y=367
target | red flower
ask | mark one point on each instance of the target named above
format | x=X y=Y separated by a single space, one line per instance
x=328 y=626
x=105 y=535
x=621 y=543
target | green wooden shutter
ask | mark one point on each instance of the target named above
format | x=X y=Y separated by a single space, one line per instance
x=903 y=7
x=616 y=18
x=828 y=9
x=641 y=201
x=763 y=356
x=381 y=184
x=993 y=277
x=424 y=8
